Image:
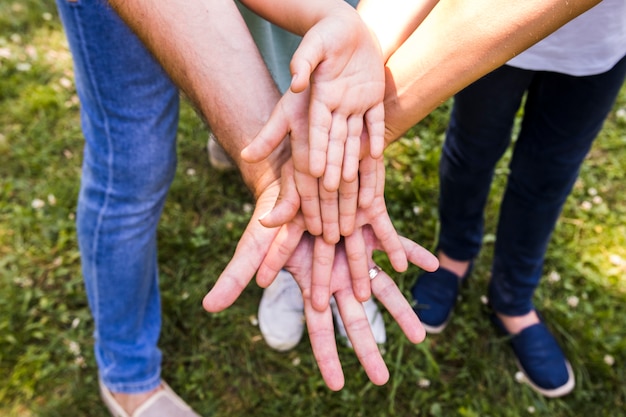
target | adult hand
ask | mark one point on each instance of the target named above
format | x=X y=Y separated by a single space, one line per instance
x=375 y=215
x=261 y=249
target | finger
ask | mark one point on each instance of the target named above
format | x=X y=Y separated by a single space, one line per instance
x=287 y=204
x=323 y=257
x=375 y=123
x=249 y=254
x=382 y=226
x=310 y=203
x=367 y=182
x=358 y=258
x=320 y=122
x=329 y=211
x=389 y=240
x=348 y=199
x=273 y=132
x=389 y=295
x=419 y=256
x=304 y=61
x=352 y=149
x=360 y=335
x=334 y=156
x=323 y=344
x=281 y=249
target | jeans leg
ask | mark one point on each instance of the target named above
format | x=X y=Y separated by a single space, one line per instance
x=129 y=117
x=563 y=115
x=478 y=134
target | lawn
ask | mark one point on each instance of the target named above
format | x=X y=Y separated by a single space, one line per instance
x=219 y=362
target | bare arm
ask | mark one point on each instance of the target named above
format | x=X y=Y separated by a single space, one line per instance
x=457 y=43
x=208 y=51
x=393 y=21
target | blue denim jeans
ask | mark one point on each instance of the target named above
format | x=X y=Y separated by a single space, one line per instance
x=562 y=117
x=129 y=117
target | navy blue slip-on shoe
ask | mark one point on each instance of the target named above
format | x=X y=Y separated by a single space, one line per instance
x=435 y=294
x=540 y=358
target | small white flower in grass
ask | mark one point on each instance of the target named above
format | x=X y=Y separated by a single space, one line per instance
x=597 y=200
x=47 y=16
x=616 y=260
x=31 y=51
x=554 y=276
x=592 y=192
x=68 y=154
x=253 y=320
x=247 y=208
x=65 y=82
x=74 y=348
x=23 y=67
x=573 y=301
x=15 y=38
x=23 y=282
x=71 y=216
x=184 y=295
x=296 y=361
x=38 y=204
x=191 y=172
x=75 y=322
x=484 y=300
x=520 y=377
x=80 y=361
x=531 y=409
x=417 y=210
x=52 y=200
x=423 y=383
x=5 y=53
x=585 y=205
x=609 y=360
x=621 y=114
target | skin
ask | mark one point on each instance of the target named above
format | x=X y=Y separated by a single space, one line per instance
x=237 y=102
x=256 y=244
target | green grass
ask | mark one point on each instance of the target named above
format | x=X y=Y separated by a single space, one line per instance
x=218 y=362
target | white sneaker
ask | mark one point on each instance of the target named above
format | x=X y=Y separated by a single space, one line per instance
x=281 y=313
x=375 y=318
x=218 y=157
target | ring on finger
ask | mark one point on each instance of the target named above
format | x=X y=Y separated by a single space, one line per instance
x=374 y=271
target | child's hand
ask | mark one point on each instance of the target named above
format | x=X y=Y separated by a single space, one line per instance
x=339 y=58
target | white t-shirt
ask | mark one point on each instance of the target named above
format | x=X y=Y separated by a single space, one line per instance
x=590 y=44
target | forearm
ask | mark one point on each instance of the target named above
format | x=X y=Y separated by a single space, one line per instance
x=209 y=53
x=459 y=42
x=297 y=16
x=393 y=21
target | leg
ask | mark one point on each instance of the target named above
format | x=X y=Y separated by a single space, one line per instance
x=129 y=117
x=478 y=134
x=563 y=116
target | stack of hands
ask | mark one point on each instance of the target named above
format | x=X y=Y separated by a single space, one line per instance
x=323 y=217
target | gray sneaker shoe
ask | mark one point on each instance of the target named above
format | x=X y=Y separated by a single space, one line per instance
x=218 y=157
x=281 y=313
x=374 y=317
x=164 y=403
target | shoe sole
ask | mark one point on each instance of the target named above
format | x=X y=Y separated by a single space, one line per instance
x=555 y=392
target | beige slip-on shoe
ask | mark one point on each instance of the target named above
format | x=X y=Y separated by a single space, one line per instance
x=164 y=403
